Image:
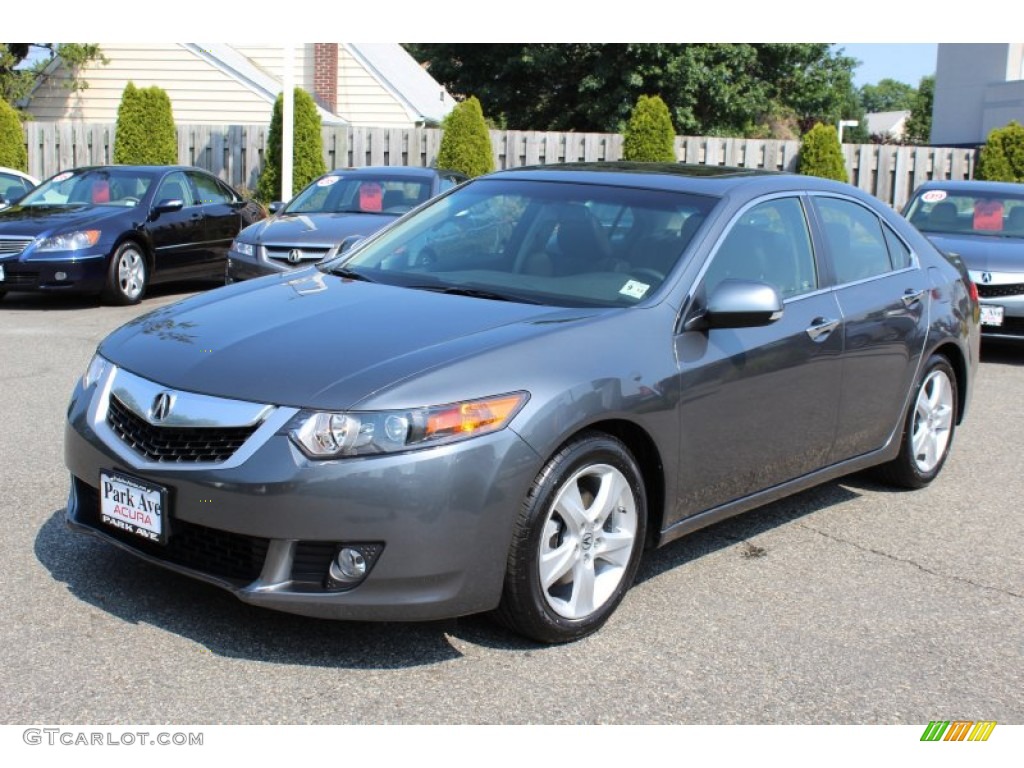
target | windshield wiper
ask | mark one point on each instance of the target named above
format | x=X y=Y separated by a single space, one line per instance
x=351 y=274
x=476 y=293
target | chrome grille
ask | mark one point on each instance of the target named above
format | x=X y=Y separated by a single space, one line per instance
x=175 y=445
x=10 y=246
x=306 y=253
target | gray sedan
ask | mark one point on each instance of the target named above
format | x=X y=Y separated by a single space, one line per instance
x=499 y=402
x=335 y=210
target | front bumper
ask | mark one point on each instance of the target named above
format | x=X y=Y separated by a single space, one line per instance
x=1006 y=290
x=267 y=527
x=83 y=274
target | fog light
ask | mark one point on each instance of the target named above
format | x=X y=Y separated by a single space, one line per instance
x=349 y=565
x=60 y=275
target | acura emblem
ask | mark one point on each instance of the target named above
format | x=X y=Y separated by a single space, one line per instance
x=986 y=277
x=294 y=256
x=162 y=404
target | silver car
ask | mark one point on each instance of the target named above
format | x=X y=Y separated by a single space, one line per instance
x=499 y=403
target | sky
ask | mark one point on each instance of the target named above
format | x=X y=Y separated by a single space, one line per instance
x=907 y=62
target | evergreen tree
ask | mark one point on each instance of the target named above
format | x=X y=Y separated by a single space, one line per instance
x=12 y=139
x=649 y=136
x=307 y=148
x=1002 y=157
x=466 y=144
x=821 y=155
x=145 y=133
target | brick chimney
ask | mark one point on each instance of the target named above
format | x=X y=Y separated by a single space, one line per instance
x=325 y=75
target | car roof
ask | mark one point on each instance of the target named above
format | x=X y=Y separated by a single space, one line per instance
x=20 y=174
x=404 y=171
x=700 y=179
x=979 y=187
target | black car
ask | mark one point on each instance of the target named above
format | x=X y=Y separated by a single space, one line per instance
x=114 y=230
x=340 y=207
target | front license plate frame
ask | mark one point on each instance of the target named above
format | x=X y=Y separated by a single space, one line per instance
x=133 y=505
x=992 y=314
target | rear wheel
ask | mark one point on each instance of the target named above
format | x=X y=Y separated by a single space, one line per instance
x=126 y=276
x=577 y=543
x=928 y=431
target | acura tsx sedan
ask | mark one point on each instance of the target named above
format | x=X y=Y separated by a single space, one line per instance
x=498 y=403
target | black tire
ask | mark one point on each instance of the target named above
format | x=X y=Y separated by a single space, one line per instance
x=127 y=275
x=928 y=429
x=598 y=551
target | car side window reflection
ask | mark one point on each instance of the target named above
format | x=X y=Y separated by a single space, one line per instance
x=855 y=240
x=175 y=187
x=209 y=190
x=769 y=243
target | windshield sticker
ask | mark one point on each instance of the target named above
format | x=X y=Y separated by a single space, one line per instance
x=326 y=181
x=634 y=289
x=62 y=177
x=934 y=195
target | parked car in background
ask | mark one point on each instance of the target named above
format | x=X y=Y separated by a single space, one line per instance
x=115 y=230
x=499 y=401
x=982 y=223
x=14 y=185
x=336 y=209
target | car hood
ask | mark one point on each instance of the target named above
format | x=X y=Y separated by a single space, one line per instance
x=316 y=228
x=35 y=220
x=316 y=340
x=984 y=252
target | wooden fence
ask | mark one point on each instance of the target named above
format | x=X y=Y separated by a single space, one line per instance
x=235 y=152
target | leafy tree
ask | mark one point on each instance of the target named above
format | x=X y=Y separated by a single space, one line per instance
x=649 y=136
x=16 y=80
x=466 y=144
x=145 y=133
x=307 y=148
x=887 y=95
x=710 y=88
x=1002 y=157
x=918 y=129
x=12 y=139
x=821 y=155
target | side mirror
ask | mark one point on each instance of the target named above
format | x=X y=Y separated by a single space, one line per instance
x=738 y=304
x=275 y=206
x=168 y=205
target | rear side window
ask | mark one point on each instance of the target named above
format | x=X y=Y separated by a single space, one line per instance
x=855 y=240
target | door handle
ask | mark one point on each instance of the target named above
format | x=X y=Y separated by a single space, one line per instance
x=821 y=327
x=912 y=296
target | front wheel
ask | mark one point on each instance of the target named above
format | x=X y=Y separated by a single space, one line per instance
x=928 y=431
x=126 y=276
x=577 y=543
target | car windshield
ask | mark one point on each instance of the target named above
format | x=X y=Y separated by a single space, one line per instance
x=972 y=212
x=98 y=186
x=551 y=243
x=361 y=193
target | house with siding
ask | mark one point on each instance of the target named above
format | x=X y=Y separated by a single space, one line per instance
x=214 y=83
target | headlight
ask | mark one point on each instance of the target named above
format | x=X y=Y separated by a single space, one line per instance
x=69 y=241
x=326 y=435
x=97 y=367
x=246 y=249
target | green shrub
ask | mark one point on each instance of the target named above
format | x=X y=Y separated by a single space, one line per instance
x=307 y=148
x=12 y=139
x=145 y=133
x=1002 y=157
x=649 y=136
x=821 y=155
x=466 y=143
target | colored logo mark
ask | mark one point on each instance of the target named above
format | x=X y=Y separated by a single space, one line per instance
x=958 y=730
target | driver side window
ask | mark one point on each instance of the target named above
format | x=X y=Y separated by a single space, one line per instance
x=175 y=187
x=769 y=243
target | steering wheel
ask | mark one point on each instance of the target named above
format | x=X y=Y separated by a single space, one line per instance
x=427 y=257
